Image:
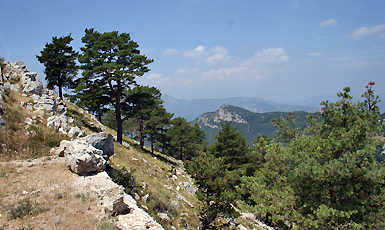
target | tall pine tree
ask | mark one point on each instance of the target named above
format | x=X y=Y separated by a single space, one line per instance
x=59 y=61
x=114 y=59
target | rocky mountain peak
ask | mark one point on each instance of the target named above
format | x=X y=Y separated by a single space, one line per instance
x=224 y=114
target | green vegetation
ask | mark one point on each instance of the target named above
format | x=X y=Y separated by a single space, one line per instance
x=114 y=61
x=24 y=208
x=185 y=140
x=325 y=176
x=20 y=140
x=258 y=124
x=59 y=61
x=124 y=178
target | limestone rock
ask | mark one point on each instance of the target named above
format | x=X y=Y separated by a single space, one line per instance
x=102 y=141
x=7 y=87
x=81 y=157
x=18 y=65
x=145 y=198
x=189 y=187
x=15 y=88
x=53 y=122
x=164 y=216
x=74 y=132
x=32 y=83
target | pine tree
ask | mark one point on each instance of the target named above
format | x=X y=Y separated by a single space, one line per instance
x=92 y=96
x=324 y=177
x=140 y=104
x=215 y=189
x=185 y=140
x=230 y=145
x=59 y=61
x=115 y=60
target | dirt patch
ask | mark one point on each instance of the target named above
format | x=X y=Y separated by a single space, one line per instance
x=48 y=186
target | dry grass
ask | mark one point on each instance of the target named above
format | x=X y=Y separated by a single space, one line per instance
x=20 y=141
x=156 y=174
x=49 y=184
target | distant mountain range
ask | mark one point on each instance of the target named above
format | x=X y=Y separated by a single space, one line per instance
x=251 y=124
x=191 y=109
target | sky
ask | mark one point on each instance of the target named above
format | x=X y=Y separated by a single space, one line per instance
x=283 y=51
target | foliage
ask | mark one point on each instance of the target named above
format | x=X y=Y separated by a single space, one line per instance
x=157 y=127
x=257 y=123
x=185 y=140
x=22 y=141
x=215 y=189
x=325 y=176
x=230 y=145
x=140 y=104
x=59 y=61
x=25 y=207
x=114 y=60
x=92 y=96
x=125 y=178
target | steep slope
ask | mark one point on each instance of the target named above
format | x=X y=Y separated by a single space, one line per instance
x=191 y=109
x=251 y=124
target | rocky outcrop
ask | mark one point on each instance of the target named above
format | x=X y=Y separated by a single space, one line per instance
x=102 y=141
x=81 y=157
x=88 y=154
x=112 y=199
x=224 y=115
x=75 y=132
x=32 y=84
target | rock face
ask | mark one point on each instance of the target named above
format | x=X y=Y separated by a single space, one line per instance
x=102 y=141
x=32 y=83
x=81 y=157
x=88 y=154
x=112 y=199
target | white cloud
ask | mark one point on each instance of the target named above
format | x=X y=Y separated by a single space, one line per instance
x=367 y=30
x=269 y=55
x=314 y=54
x=216 y=54
x=170 y=51
x=329 y=22
x=200 y=48
x=224 y=74
x=196 y=53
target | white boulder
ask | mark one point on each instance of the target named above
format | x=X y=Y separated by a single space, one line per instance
x=81 y=157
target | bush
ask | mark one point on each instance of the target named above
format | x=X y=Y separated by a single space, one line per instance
x=25 y=207
x=125 y=178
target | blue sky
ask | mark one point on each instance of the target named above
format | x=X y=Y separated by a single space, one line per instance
x=275 y=50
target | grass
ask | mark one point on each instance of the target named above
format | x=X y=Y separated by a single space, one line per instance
x=51 y=201
x=157 y=173
x=20 y=141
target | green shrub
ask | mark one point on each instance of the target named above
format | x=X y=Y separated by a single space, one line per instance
x=125 y=178
x=25 y=207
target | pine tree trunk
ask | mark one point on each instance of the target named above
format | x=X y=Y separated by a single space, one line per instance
x=120 y=128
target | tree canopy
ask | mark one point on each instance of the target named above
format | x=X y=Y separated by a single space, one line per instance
x=114 y=59
x=59 y=61
x=325 y=176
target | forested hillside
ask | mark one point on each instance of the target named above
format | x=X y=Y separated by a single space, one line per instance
x=250 y=124
x=191 y=109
